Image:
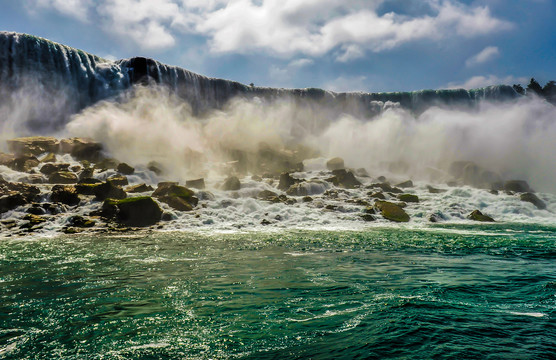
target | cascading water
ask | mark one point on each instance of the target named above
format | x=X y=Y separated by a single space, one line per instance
x=82 y=79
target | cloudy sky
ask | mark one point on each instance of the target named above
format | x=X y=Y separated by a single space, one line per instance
x=341 y=45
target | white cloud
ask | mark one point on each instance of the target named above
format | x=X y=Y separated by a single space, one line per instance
x=487 y=54
x=483 y=81
x=78 y=9
x=284 y=28
x=347 y=84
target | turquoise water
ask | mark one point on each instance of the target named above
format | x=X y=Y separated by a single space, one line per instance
x=460 y=291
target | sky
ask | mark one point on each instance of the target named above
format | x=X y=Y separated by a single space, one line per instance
x=339 y=45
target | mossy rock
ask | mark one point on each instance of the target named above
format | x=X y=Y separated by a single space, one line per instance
x=391 y=211
x=119 y=180
x=476 y=215
x=139 y=188
x=135 y=211
x=48 y=158
x=176 y=196
x=408 y=198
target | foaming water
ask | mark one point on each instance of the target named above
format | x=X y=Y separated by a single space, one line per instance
x=380 y=293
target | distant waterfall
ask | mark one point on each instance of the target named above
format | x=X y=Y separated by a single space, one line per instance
x=63 y=80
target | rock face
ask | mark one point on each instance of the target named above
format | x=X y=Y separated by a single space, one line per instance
x=231 y=184
x=336 y=163
x=137 y=211
x=391 y=211
x=33 y=145
x=533 y=199
x=479 y=216
x=178 y=197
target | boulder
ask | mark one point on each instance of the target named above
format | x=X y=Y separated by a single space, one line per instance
x=33 y=145
x=391 y=211
x=367 y=217
x=62 y=177
x=119 y=180
x=139 y=188
x=286 y=181
x=336 y=163
x=11 y=201
x=29 y=192
x=107 y=163
x=231 y=184
x=297 y=190
x=408 y=198
x=82 y=149
x=24 y=163
x=50 y=168
x=386 y=188
x=266 y=195
x=377 y=195
x=33 y=220
x=80 y=221
x=517 y=186
x=196 y=183
x=135 y=211
x=87 y=173
x=533 y=199
x=434 y=190
x=107 y=190
x=307 y=199
x=64 y=194
x=476 y=215
x=125 y=169
x=405 y=184
x=344 y=179
x=176 y=196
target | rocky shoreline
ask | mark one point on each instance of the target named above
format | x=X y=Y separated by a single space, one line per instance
x=71 y=186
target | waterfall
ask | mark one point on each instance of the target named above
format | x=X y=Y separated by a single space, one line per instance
x=74 y=79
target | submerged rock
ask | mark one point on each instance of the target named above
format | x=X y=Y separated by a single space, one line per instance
x=476 y=215
x=136 y=211
x=533 y=199
x=391 y=211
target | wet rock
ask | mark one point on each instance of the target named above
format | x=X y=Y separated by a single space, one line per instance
x=367 y=217
x=231 y=184
x=87 y=173
x=11 y=201
x=256 y=178
x=89 y=181
x=437 y=217
x=64 y=194
x=33 y=220
x=139 y=188
x=369 y=210
x=384 y=186
x=125 y=169
x=108 y=163
x=34 y=145
x=494 y=192
x=36 y=209
x=205 y=195
x=48 y=158
x=362 y=172
x=476 y=215
x=80 y=222
x=167 y=217
x=408 y=198
x=6 y=159
x=377 y=195
x=391 y=211
x=136 y=211
x=104 y=191
x=24 y=163
x=336 y=163
x=62 y=177
x=29 y=192
x=266 y=195
x=345 y=179
x=265 y=222
x=307 y=199
x=517 y=186
x=331 y=207
x=34 y=179
x=433 y=190
x=297 y=190
x=82 y=149
x=155 y=167
x=50 y=168
x=533 y=199
x=405 y=184
x=178 y=197
x=196 y=183
x=119 y=180
x=286 y=181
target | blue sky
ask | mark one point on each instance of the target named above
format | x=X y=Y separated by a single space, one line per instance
x=341 y=45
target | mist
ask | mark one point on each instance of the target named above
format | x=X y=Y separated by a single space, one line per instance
x=513 y=139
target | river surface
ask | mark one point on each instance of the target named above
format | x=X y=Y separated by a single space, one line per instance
x=452 y=291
